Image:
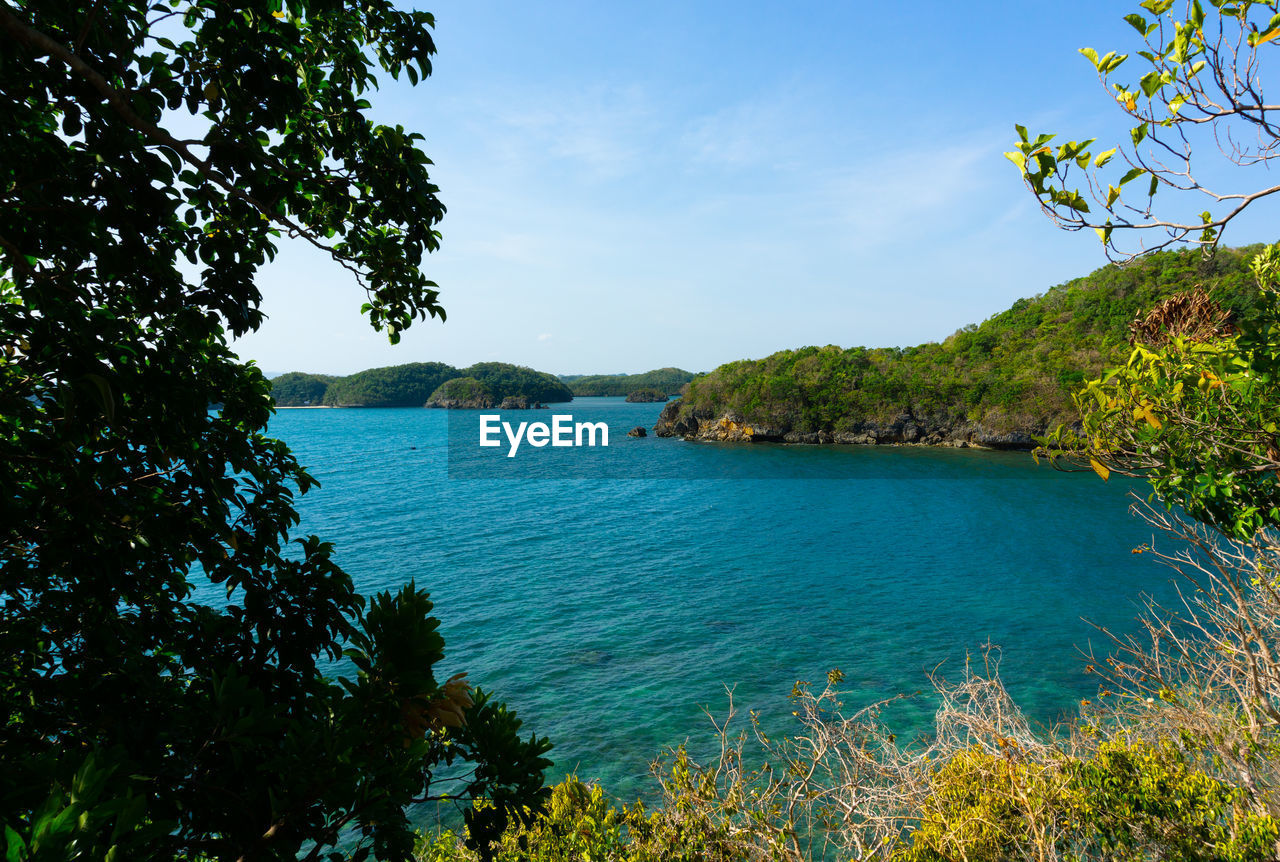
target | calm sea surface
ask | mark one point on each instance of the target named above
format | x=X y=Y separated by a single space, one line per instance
x=609 y=612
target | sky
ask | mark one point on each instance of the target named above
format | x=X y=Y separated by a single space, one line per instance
x=631 y=186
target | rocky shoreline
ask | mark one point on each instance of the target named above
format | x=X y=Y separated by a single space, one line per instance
x=693 y=423
x=485 y=402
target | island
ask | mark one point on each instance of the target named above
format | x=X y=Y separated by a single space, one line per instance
x=667 y=381
x=646 y=396
x=418 y=384
x=998 y=384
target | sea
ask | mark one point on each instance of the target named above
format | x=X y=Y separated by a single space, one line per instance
x=616 y=597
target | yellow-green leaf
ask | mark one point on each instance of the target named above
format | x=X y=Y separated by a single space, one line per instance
x=1100 y=469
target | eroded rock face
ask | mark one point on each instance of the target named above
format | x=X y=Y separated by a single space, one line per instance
x=693 y=423
x=638 y=431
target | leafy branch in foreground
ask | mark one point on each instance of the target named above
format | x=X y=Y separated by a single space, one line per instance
x=1198 y=86
x=169 y=672
x=1194 y=411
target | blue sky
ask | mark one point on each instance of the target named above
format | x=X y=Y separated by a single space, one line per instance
x=687 y=183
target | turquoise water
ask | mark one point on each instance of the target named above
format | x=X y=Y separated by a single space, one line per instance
x=608 y=612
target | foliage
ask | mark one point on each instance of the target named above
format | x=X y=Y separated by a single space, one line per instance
x=515 y=380
x=1138 y=799
x=297 y=389
x=646 y=395
x=408 y=385
x=166 y=648
x=1018 y=369
x=1197 y=417
x=668 y=381
x=579 y=823
x=413 y=384
x=463 y=389
x=1128 y=799
x=1199 y=86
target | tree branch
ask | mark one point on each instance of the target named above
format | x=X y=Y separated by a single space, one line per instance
x=41 y=43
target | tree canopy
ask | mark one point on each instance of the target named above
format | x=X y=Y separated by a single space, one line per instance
x=167 y=647
x=297 y=389
x=393 y=386
x=667 y=380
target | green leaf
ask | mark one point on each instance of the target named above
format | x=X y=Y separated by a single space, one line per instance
x=1112 y=61
x=1103 y=158
x=15 y=847
x=1137 y=22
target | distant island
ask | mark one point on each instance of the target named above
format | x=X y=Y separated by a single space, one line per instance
x=644 y=396
x=997 y=384
x=419 y=384
x=668 y=381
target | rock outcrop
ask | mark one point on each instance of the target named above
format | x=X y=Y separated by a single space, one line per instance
x=638 y=431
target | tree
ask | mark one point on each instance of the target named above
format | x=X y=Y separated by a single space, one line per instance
x=1195 y=409
x=140 y=723
x=1199 y=85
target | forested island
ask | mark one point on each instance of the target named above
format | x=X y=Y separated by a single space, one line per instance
x=997 y=384
x=417 y=383
x=646 y=396
x=668 y=381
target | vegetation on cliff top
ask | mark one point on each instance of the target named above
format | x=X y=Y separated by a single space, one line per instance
x=298 y=389
x=1015 y=371
x=465 y=390
x=412 y=385
x=666 y=380
x=392 y=386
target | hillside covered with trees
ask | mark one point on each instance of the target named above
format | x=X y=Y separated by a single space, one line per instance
x=995 y=383
x=411 y=385
x=666 y=380
x=299 y=389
